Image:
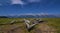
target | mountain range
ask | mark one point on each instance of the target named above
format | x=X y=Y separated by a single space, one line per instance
x=31 y=16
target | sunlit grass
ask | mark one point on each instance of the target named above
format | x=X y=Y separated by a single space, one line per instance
x=54 y=22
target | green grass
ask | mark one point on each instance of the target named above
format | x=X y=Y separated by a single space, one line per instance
x=54 y=22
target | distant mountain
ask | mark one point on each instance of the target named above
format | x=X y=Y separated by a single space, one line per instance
x=38 y=16
x=34 y=16
x=31 y=16
x=3 y=17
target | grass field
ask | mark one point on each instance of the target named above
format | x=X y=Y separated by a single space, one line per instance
x=53 y=22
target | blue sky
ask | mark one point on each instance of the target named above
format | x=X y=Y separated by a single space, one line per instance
x=17 y=7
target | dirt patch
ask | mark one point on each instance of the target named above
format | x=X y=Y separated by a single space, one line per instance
x=44 y=28
x=20 y=28
x=15 y=28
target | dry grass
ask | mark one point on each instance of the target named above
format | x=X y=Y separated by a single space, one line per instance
x=51 y=24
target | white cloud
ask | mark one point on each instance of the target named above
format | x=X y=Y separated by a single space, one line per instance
x=17 y=2
x=31 y=1
x=22 y=2
x=0 y=4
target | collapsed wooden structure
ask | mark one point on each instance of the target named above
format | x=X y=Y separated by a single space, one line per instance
x=27 y=22
x=28 y=26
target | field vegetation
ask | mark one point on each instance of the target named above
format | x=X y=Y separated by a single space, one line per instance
x=20 y=27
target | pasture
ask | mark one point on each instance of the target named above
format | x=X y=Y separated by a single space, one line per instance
x=19 y=26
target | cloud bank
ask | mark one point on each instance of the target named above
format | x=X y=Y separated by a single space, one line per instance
x=22 y=2
x=17 y=2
